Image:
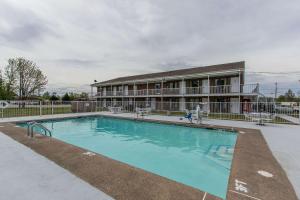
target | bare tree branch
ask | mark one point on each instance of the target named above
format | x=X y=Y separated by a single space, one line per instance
x=24 y=77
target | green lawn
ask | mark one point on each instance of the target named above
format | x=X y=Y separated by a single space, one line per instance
x=19 y=112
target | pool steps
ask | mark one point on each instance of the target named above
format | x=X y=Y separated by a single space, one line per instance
x=32 y=124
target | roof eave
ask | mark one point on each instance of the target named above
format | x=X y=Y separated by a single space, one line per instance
x=242 y=69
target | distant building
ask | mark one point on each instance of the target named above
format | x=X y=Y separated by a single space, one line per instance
x=222 y=83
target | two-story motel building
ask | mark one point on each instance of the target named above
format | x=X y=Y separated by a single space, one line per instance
x=222 y=83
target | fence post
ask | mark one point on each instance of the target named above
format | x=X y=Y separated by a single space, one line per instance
x=76 y=106
x=299 y=112
x=220 y=110
x=2 y=112
x=41 y=108
x=52 y=109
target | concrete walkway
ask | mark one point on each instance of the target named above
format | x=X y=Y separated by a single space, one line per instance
x=291 y=119
x=26 y=175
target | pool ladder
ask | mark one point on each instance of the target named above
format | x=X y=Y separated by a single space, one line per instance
x=31 y=125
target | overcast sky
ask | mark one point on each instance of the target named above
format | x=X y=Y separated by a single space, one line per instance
x=77 y=41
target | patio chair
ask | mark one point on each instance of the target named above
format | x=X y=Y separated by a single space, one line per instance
x=115 y=110
x=188 y=115
x=142 y=111
x=199 y=114
x=260 y=117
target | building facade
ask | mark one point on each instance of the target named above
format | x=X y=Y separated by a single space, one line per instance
x=220 y=87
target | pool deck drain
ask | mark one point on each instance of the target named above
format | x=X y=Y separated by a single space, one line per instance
x=123 y=181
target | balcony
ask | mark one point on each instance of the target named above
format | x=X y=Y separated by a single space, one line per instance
x=187 y=91
x=171 y=91
x=153 y=92
x=140 y=92
x=196 y=90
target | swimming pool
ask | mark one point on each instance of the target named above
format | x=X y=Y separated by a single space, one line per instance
x=197 y=157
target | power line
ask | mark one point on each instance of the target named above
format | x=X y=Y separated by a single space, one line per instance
x=280 y=73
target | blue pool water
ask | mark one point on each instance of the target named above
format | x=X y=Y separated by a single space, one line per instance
x=197 y=157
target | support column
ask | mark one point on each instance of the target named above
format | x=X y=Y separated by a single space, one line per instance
x=104 y=103
x=103 y=91
x=122 y=95
x=182 y=87
x=147 y=98
x=239 y=86
x=208 y=94
x=182 y=104
x=111 y=94
x=240 y=107
x=161 y=93
x=134 y=91
x=92 y=92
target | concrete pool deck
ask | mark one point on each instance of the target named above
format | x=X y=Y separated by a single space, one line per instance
x=267 y=129
x=26 y=175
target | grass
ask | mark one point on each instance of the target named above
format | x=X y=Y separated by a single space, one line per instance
x=19 y=112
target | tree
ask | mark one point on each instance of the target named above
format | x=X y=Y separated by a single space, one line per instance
x=5 y=92
x=289 y=96
x=84 y=95
x=66 y=97
x=2 y=87
x=10 y=80
x=24 y=77
x=46 y=95
x=54 y=97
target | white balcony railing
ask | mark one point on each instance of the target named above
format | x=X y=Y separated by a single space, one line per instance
x=119 y=93
x=154 y=92
x=224 y=89
x=171 y=91
x=141 y=92
x=221 y=89
x=196 y=90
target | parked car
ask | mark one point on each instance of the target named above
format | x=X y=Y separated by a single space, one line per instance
x=285 y=109
x=296 y=109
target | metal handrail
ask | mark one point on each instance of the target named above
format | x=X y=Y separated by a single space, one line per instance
x=31 y=126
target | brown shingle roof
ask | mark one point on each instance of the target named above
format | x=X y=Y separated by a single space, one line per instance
x=180 y=72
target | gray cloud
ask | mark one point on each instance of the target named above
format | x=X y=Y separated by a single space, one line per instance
x=24 y=34
x=21 y=28
x=102 y=39
x=76 y=62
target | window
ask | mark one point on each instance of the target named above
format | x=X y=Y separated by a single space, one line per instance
x=220 y=82
x=195 y=83
x=157 y=85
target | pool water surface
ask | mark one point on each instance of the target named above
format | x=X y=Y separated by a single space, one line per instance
x=197 y=157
